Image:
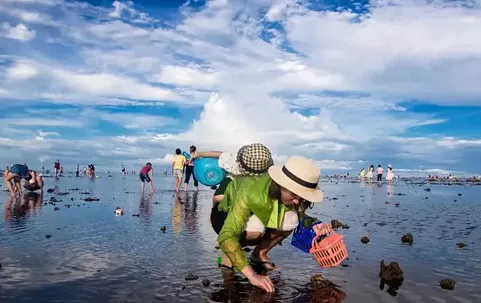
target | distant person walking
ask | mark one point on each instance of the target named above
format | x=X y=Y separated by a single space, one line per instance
x=189 y=170
x=370 y=172
x=390 y=173
x=56 y=167
x=77 y=171
x=178 y=167
x=379 y=173
x=146 y=175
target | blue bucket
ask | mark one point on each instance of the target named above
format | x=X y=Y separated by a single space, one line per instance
x=302 y=236
x=186 y=155
x=208 y=172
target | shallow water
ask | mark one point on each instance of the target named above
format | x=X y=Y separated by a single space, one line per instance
x=93 y=255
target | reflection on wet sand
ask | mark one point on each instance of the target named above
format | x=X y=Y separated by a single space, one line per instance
x=18 y=207
x=190 y=214
x=145 y=206
x=177 y=210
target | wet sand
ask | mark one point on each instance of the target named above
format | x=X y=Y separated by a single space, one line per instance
x=93 y=255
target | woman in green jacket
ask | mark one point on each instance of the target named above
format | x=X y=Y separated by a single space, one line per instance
x=261 y=211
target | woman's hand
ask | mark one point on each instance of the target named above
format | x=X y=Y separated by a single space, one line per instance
x=322 y=229
x=262 y=282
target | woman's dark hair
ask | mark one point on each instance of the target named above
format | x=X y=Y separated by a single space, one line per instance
x=148 y=164
x=178 y=151
x=379 y=165
x=274 y=191
x=193 y=148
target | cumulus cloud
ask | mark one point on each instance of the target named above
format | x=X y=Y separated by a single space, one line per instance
x=19 y=32
x=257 y=71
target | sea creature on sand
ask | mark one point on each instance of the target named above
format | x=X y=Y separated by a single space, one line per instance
x=448 y=284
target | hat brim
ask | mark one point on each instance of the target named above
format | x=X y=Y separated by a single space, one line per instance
x=309 y=194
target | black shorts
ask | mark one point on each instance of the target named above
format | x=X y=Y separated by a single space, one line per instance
x=379 y=177
x=217 y=218
x=144 y=177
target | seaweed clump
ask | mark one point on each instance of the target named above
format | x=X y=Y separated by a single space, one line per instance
x=448 y=284
x=407 y=239
x=321 y=290
x=392 y=276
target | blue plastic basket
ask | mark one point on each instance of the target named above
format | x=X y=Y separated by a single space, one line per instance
x=208 y=172
x=302 y=236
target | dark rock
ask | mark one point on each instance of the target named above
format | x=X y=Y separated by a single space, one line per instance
x=391 y=272
x=135 y=215
x=48 y=236
x=50 y=190
x=191 y=277
x=205 y=282
x=448 y=284
x=334 y=198
x=90 y=199
x=163 y=228
x=365 y=240
x=459 y=195
x=63 y=194
x=56 y=208
x=345 y=226
x=427 y=189
x=407 y=239
x=461 y=245
x=397 y=204
x=336 y=224
x=365 y=224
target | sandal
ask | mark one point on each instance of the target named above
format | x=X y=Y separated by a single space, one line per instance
x=262 y=264
x=227 y=267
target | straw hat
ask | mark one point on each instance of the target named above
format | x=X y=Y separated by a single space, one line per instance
x=389 y=166
x=300 y=176
x=252 y=160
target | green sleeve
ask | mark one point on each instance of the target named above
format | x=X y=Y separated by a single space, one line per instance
x=222 y=187
x=230 y=234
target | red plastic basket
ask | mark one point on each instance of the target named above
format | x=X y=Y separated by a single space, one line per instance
x=330 y=251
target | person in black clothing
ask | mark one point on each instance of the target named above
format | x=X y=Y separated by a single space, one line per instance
x=189 y=171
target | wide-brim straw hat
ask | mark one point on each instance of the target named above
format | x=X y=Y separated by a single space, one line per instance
x=300 y=176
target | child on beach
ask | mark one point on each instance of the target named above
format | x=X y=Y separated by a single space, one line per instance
x=144 y=177
x=178 y=167
x=379 y=173
x=369 y=173
x=189 y=171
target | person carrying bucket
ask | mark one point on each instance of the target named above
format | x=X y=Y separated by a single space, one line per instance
x=189 y=171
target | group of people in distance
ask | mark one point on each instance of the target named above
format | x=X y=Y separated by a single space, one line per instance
x=260 y=204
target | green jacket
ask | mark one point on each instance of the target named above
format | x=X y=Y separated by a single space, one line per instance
x=243 y=197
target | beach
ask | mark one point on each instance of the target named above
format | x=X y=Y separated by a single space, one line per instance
x=83 y=252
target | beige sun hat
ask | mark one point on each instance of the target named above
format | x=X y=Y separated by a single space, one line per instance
x=300 y=176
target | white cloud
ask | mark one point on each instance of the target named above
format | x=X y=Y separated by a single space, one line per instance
x=187 y=76
x=21 y=71
x=324 y=84
x=19 y=32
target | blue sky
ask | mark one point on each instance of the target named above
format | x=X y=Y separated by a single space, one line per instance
x=347 y=83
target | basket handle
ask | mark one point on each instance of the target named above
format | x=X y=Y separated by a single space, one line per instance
x=315 y=239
